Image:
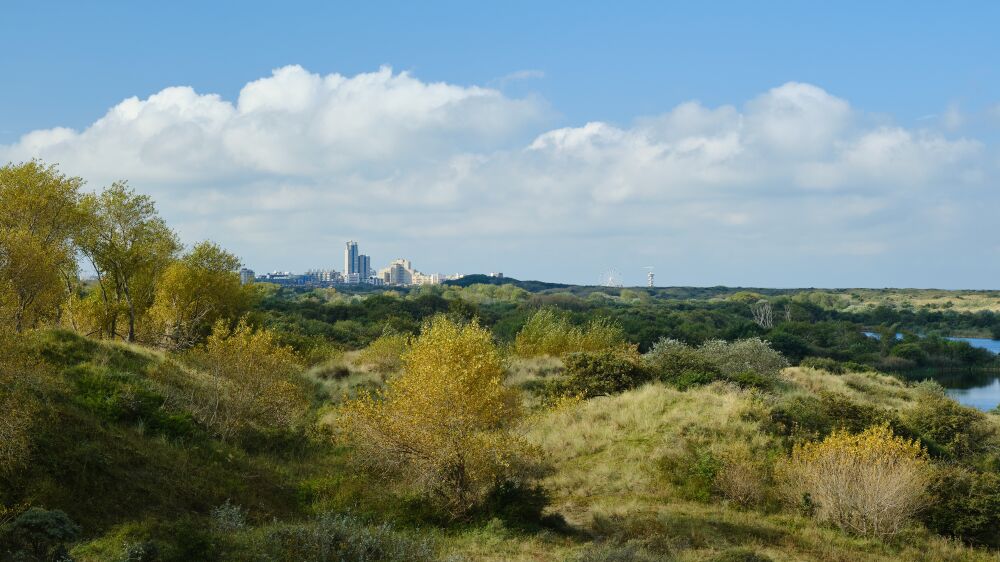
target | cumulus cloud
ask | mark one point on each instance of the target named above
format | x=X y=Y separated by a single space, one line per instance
x=466 y=177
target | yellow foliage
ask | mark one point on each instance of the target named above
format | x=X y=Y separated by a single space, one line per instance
x=870 y=483
x=444 y=422
x=550 y=333
x=385 y=354
x=252 y=382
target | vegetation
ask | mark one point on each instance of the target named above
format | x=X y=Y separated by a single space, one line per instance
x=444 y=423
x=163 y=412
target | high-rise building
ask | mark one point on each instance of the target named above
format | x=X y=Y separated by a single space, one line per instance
x=364 y=267
x=246 y=276
x=351 y=258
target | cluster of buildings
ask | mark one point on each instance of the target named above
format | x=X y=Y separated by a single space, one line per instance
x=357 y=271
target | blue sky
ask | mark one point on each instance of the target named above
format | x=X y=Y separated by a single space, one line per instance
x=919 y=77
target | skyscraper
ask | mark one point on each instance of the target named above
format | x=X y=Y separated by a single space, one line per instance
x=351 y=258
x=364 y=267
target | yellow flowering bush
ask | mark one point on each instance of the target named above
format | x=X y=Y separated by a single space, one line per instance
x=444 y=424
x=870 y=483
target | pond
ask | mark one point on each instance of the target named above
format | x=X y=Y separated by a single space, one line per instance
x=983 y=390
x=977 y=389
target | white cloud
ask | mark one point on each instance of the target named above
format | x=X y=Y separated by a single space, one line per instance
x=466 y=177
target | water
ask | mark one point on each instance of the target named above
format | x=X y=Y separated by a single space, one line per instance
x=992 y=345
x=984 y=393
x=978 y=390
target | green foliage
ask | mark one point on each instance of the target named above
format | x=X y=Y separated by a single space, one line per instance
x=748 y=363
x=39 y=535
x=385 y=355
x=549 y=333
x=946 y=427
x=812 y=416
x=194 y=292
x=39 y=217
x=339 y=538
x=590 y=374
x=129 y=246
x=964 y=504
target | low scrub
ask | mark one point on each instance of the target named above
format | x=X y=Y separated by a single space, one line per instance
x=870 y=483
x=590 y=374
x=748 y=363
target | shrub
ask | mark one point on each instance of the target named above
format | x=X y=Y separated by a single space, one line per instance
x=813 y=416
x=590 y=374
x=385 y=354
x=744 y=475
x=749 y=363
x=911 y=352
x=870 y=483
x=444 y=424
x=253 y=385
x=669 y=360
x=946 y=427
x=748 y=355
x=343 y=538
x=824 y=364
x=549 y=333
x=964 y=504
x=41 y=534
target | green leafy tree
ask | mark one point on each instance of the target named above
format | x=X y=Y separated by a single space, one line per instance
x=40 y=214
x=196 y=291
x=129 y=246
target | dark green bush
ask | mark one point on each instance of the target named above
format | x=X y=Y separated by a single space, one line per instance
x=600 y=373
x=965 y=504
x=689 y=379
x=342 y=538
x=824 y=363
x=910 y=351
x=809 y=416
x=39 y=535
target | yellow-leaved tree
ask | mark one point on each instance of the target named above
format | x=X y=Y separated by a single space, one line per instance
x=194 y=292
x=40 y=215
x=445 y=424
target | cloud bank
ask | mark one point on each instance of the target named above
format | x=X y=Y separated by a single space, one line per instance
x=793 y=187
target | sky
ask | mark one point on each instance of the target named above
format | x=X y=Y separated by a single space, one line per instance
x=778 y=144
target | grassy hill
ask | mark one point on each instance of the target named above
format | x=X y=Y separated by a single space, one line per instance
x=648 y=474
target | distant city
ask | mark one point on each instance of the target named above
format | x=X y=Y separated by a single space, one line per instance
x=357 y=271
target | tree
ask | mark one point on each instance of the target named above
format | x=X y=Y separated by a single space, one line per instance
x=444 y=424
x=40 y=214
x=196 y=291
x=763 y=314
x=129 y=246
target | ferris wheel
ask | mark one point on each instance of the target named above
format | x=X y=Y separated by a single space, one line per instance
x=611 y=278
